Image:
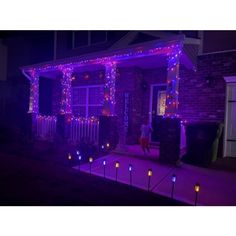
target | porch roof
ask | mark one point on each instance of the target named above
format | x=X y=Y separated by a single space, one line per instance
x=143 y=55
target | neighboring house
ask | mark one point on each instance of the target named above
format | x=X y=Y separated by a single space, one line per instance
x=134 y=76
x=19 y=48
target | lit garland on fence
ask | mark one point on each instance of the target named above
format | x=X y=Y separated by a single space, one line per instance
x=49 y=118
x=66 y=91
x=82 y=120
x=172 y=93
x=109 y=90
x=34 y=92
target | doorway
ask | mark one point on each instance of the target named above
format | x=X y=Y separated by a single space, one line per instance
x=157 y=109
x=230 y=118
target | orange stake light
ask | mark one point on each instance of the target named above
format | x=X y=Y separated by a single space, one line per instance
x=197 y=190
x=149 y=178
x=117 y=165
x=149 y=172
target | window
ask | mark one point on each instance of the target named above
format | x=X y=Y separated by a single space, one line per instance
x=98 y=37
x=87 y=38
x=80 y=39
x=87 y=101
x=161 y=103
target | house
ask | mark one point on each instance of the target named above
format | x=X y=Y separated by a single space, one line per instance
x=18 y=48
x=135 y=76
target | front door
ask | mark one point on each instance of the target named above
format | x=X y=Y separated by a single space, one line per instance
x=158 y=103
x=230 y=134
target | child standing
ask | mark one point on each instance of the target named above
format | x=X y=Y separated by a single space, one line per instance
x=146 y=129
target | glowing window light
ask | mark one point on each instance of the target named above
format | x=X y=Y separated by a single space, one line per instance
x=173 y=179
x=69 y=156
x=90 y=159
x=197 y=187
x=108 y=145
x=117 y=164
x=149 y=172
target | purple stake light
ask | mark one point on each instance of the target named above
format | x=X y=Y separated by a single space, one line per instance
x=90 y=164
x=104 y=168
x=173 y=180
x=79 y=158
x=130 y=173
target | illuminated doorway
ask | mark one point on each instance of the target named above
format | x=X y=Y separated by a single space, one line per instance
x=157 y=109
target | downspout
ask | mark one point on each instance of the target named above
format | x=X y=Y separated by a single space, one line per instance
x=26 y=75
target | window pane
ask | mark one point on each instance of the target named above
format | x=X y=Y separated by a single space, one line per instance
x=80 y=38
x=94 y=111
x=96 y=95
x=79 y=111
x=161 y=104
x=98 y=36
x=78 y=96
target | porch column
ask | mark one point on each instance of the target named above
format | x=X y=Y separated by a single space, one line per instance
x=65 y=106
x=33 y=111
x=34 y=92
x=172 y=90
x=109 y=89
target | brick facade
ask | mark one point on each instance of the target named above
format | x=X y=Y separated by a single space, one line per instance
x=199 y=100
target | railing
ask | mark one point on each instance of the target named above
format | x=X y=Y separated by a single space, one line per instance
x=84 y=128
x=46 y=127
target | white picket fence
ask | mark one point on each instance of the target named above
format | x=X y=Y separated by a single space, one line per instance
x=46 y=127
x=84 y=129
x=79 y=128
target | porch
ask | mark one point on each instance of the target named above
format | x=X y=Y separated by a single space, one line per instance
x=74 y=117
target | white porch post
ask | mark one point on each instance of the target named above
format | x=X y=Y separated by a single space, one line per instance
x=109 y=89
x=34 y=92
x=172 y=91
x=66 y=91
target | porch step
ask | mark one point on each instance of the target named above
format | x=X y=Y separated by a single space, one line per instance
x=136 y=151
x=154 y=145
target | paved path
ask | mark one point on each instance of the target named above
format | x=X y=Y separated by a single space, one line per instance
x=217 y=187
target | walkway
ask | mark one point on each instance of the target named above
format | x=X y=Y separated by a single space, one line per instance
x=217 y=187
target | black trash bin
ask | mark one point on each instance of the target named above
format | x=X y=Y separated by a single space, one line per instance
x=202 y=143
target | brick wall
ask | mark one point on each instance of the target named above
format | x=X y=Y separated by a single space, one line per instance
x=128 y=82
x=137 y=83
x=200 y=101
